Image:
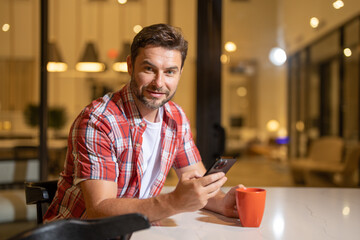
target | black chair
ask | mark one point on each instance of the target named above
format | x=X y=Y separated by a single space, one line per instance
x=117 y=227
x=41 y=194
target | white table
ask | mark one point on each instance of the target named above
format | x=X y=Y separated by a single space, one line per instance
x=290 y=213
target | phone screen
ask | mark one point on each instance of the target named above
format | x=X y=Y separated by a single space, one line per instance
x=223 y=164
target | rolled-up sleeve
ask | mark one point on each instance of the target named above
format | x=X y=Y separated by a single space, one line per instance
x=93 y=150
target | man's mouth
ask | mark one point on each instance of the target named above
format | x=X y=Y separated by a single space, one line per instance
x=156 y=94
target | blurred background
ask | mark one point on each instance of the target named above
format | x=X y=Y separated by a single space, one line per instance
x=286 y=94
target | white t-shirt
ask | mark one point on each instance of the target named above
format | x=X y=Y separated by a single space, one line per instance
x=151 y=154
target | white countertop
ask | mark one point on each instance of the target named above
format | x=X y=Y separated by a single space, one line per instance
x=290 y=213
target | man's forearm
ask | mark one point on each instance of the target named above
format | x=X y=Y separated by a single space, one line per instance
x=154 y=208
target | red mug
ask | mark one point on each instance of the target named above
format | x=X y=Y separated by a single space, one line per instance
x=250 y=203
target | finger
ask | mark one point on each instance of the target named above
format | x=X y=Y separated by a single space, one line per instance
x=213 y=193
x=215 y=186
x=211 y=178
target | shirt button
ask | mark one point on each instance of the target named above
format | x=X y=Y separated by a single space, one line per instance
x=142 y=124
x=137 y=145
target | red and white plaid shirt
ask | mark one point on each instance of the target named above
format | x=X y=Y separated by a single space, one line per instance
x=105 y=143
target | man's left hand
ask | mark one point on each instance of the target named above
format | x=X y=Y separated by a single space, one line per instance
x=229 y=202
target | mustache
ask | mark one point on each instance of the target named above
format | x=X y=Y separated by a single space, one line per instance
x=155 y=89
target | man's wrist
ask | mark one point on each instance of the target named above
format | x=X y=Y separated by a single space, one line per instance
x=168 y=203
x=216 y=204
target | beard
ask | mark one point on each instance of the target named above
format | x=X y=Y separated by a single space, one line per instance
x=151 y=103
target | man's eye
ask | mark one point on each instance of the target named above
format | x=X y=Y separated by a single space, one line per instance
x=170 y=72
x=149 y=69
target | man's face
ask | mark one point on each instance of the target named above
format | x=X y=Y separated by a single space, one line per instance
x=154 y=76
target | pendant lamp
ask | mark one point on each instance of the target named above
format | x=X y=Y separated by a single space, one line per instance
x=121 y=65
x=90 y=60
x=55 y=62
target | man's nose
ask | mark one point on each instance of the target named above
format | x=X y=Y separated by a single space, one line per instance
x=159 y=80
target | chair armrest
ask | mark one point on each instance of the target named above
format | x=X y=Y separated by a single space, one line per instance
x=35 y=194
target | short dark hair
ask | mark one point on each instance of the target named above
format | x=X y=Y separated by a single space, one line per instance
x=160 y=35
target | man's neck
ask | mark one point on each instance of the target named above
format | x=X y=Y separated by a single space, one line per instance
x=147 y=113
x=150 y=115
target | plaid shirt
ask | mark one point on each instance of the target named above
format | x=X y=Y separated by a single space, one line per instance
x=105 y=143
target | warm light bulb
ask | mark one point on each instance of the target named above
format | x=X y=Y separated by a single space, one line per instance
x=272 y=125
x=347 y=52
x=241 y=91
x=56 y=67
x=346 y=211
x=90 y=67
x=122 y=1
x=230 y=47
x=137 y=28
x=6 y=27
x=314 y=22
x=120 y=67
x=277 y=56
x=224 y=58
x=338 y=4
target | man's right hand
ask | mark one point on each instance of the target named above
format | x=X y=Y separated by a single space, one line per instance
x=193 y=191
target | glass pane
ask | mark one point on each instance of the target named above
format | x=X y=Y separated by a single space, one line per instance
x=351 y=83
x=324 y=86
x=248 y=77
x=19 y=91
x=110 y=26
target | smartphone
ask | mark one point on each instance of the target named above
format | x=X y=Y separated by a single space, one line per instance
x=222 y=164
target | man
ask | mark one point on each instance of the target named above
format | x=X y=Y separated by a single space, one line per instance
x=122 y=146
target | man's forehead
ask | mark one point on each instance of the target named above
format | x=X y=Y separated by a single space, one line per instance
x=150 y=54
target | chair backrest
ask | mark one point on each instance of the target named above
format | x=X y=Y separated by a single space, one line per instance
x=117 y=227
x=329 y=149
x=41 y=194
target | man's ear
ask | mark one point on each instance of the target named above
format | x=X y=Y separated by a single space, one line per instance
x=129 y=65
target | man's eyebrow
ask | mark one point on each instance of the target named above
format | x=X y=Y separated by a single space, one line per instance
x=173 y=68
x=146 y=62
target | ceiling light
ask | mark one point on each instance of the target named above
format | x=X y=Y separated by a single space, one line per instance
x=347 y=52
x=277 y=56
x=55 y=62
x=314 y=22
x=241 y=91
x=121 y=65
x=137 y=28
x=230 y=47
x=338 y=4
x=122 y=1
x=90 y=61
x=224 y=58
x=6 y=27
x=272 y=125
